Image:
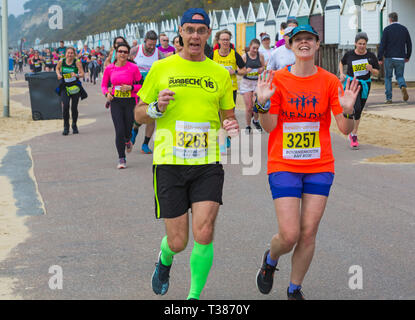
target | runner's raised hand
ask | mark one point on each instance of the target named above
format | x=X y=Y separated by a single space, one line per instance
x=348 y=99
x=265 y=88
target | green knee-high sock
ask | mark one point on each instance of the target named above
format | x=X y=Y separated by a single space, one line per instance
x=166 y=253
x=201 y=261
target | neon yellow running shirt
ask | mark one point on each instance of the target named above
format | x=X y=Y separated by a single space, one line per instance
x=187 y=134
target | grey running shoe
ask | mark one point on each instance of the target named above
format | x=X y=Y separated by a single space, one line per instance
x=160 y=279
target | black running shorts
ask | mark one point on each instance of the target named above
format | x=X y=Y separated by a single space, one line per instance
x=176 y=187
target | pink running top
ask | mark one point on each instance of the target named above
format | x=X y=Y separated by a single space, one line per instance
x=126 y=75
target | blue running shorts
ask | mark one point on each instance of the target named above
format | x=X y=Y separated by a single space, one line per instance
x=291 y=184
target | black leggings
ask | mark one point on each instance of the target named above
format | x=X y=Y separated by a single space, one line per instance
x=66 y=106
x=360 y=104
x=94 y=72
x=122 y=112
x=85 y=66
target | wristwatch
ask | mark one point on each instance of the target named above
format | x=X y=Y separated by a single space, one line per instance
x=348 y=116
x=263 y=108
x=156 y=104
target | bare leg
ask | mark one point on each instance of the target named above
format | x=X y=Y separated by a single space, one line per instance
x=312 y=210
x=177 y=230
x=356 y=126
x=248 y=107
x=288 y=216
x=150 y=129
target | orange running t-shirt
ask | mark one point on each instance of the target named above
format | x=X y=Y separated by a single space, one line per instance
x=301 y=140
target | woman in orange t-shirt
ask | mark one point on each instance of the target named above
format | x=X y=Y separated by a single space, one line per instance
x=295 y=106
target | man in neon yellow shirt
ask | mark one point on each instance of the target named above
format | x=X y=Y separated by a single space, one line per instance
x=184 y=94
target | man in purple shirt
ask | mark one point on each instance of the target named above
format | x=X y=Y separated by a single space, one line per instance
x=164 y=45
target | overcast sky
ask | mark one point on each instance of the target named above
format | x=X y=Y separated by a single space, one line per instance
x=16 y=7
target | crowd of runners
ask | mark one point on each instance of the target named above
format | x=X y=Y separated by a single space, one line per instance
x=186 y=93
x=46 y=60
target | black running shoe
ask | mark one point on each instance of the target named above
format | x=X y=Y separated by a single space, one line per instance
x=65 y=131
x=296 y=295
x=265 y=276
x=248 y=130
x=75 y=129
x=257 y=125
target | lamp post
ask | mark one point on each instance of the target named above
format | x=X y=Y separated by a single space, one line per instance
x=5 y=60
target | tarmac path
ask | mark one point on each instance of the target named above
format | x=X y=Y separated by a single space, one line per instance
x=100 y=228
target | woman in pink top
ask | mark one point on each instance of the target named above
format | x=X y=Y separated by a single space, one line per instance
x=126 y=81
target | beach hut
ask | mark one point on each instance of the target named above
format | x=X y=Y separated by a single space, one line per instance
x=79 y=45
x=250 y=27
x=304 y=9
x=89 y=41
x=293 y=9
x=170 y=29
x=173 y=29
x=260 y=18
x=215 y=23
x=232 y=24
x=240 y=29
x=349 y=21
x=163 y=27
x=176 y=27
x=317 y=17
x=97 y=41
x=282 y=14
x=223 y=20
x=372 y=20
x=270 y=26
x=332 y=21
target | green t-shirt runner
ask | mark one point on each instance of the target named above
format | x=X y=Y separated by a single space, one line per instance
x=187 y=133
x=184 y=95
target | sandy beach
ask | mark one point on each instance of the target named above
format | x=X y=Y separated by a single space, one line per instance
x=14 y=130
